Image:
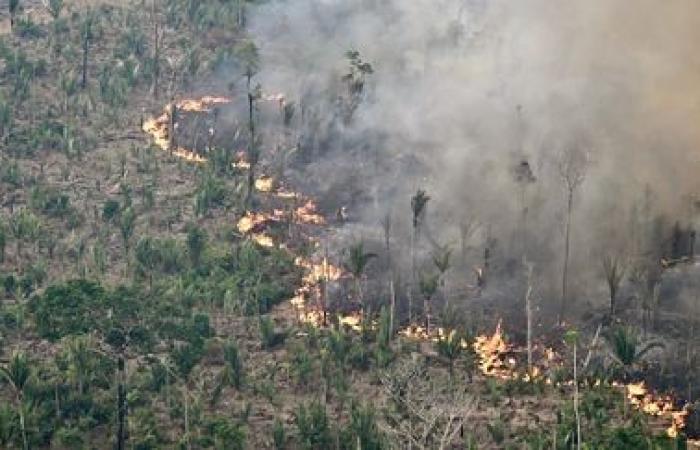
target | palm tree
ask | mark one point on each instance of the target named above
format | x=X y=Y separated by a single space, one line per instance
x=196 y=243
x=17 y=373
x=80 y=360
x=126 y=227
x=627 y=350
x=148 y=257
x=614 y=270
x=442 y=261
x=450 y=347
x=428 y=287
x=356 y=263
x=419 y=202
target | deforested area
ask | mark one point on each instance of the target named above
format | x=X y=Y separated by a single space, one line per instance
x=349 y=224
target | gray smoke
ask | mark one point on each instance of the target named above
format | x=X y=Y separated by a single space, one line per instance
x=465 y=90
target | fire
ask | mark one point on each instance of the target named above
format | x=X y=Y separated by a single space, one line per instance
x=157 y=127
x=492 y=351
x=265 y=184
x=307 y=214
x=641 y=398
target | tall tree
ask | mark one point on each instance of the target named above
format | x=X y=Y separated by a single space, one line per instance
x=148 y=257
x=419 y=203
x=356 y=263
x=86 y=37
x=572 y=166
x=17 y=374
x=386 y=225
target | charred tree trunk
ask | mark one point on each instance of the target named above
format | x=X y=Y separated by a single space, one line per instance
x=567 y=248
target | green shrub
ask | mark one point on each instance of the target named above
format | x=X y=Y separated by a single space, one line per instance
x=313 y=427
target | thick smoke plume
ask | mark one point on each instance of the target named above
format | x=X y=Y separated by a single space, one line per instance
x=464 y=91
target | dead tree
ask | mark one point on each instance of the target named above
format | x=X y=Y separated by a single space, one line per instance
x=529 y=267
x=572 y=166
x=614 y=269
x=426 y=416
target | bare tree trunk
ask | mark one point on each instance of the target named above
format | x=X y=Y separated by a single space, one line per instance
x=576 y=411
x=528 y=314
x=567 y=243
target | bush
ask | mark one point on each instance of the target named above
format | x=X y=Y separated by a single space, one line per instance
x=110 y=210
x=313 y=426
x=269 y=335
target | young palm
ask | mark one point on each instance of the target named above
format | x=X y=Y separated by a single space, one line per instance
x=627 y=350
x=17 y=373
x=442 y=261
x=356 y=263
x=450 y=347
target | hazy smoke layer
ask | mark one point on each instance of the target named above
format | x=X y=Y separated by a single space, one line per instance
x=463 y=91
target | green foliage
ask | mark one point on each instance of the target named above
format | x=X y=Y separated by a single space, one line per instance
x=627 y=350
x=71 y=308
x=269 y=335
x=419 y=202
x=50 y=202
x=279 y=437
x=302 y=366
x=126 y=226
x=363 y=424
x=196 y=244
x=185 y=358
x=313 y=427
x=233 y=359
x=450 y=347
x=211 y=193
x=358 y=259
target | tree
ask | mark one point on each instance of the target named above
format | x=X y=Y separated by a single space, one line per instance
x=126 y=227
x=419 y=203
x=356 y=263
x=80 y=360
x=86 y=37
x=450 y=347
x=627 y=350
x=442 y=262
x=386 y=225
x=3 y=242
x=248 y=54
x=196 y=243
x=23 y=225
x=614 y=269
x=185 y=358
x=17 y=373
x=428 y=285
x=572 y=166
x=355 y=80
x=13 y=7
x=234 y=363
x=148 y=257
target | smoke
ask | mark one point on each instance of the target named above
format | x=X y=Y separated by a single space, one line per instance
x=465 y=91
